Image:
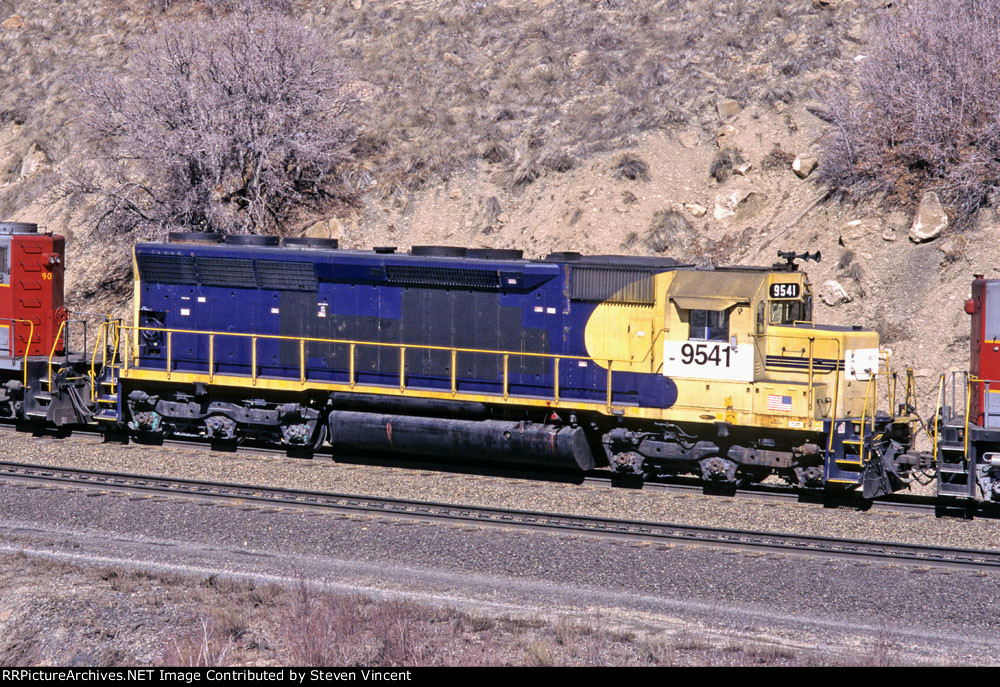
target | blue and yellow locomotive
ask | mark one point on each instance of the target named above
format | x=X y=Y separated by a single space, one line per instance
x=643 y=364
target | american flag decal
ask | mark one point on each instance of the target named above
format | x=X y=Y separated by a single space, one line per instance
x=783 y=403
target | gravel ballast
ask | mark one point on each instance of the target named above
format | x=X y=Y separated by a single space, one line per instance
x=451 y=487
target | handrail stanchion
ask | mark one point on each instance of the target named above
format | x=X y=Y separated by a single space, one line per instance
x=610 y=363
x=52 y=353
x=253 y=360
x=211 y=358
x=555 y=377
x=302 y=361
x=454 y=372
x=351 y=366
x=506 y=388
x=170 y=353
x=402 y=368
x=965 y=430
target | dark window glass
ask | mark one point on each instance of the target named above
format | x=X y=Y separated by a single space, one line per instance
x=788 y=312
x=709 y=325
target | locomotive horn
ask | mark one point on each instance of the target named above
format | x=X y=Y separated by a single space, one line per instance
x=790 y=256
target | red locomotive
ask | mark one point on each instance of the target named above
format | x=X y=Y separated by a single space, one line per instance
x=31 y=290
x=967 y=434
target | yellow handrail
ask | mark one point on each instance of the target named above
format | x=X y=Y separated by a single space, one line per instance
x=52 y=353
x=353 y=344
x=937 y=414
x=968 y=408
x=27 y=346
x=102 y=335
x=345 y=342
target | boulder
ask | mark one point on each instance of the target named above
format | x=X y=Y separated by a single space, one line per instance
x=804 y=165
x=854 y=232
x=930 y=220
x=728 y=108
x=724 y=135
x=688 y=139
x=696 y=209
x=13 y=22
x=739 y=203
x=329 y=228
x=743 y=168
x=577 y=59
x=34 y=161
x=833 y=294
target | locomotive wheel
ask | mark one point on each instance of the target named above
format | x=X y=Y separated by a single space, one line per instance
x=629 y=463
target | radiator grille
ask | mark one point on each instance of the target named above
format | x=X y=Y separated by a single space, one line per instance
x=442 y=277
x=613 y=285
x=229 y=272
x=167 y=269
x=286 y=276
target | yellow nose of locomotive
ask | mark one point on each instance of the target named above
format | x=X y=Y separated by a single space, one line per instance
x=741 y=347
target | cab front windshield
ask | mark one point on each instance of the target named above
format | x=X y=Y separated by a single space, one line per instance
x=789 y=312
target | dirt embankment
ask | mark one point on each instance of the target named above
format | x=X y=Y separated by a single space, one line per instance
x=644 y=127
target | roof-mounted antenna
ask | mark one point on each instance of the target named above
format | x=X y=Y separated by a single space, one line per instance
x=790 y=256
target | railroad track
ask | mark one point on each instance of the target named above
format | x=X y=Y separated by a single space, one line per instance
x=900 y=502
x=653 y=532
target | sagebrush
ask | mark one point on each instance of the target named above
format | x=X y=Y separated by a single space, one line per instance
x=925 y=109
x=232 y=123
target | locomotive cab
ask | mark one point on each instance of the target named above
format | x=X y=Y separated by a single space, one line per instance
x=752 y=331
x=759 y=384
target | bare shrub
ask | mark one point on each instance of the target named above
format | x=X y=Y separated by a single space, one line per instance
x=321 y=630
x=778 y=158
x=725 y=160
x=926 y=113
x=664 y=229
x=631 y=167
x=226 y=124
x=559 y=162
x=495 y=153
x=225 y=5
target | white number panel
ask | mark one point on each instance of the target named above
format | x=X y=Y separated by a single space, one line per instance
x=708 y=360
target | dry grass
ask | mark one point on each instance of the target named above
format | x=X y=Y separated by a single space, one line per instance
x=530 y=89
x=68 y=615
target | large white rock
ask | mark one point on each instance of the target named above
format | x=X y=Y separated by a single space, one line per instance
x=930 y=221
x=804 y=165
x=741 y=203
x=34 y=161
x=833 y=294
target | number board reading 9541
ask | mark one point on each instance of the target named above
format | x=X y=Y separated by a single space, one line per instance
x=708 y=360
x=785 y=290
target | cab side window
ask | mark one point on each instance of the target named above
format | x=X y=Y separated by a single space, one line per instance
x=709 y=325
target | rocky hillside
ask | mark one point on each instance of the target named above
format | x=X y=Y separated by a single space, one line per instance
x=674 y=127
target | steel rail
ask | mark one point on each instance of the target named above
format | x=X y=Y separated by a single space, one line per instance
x=634 y=530
x=900 y=502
